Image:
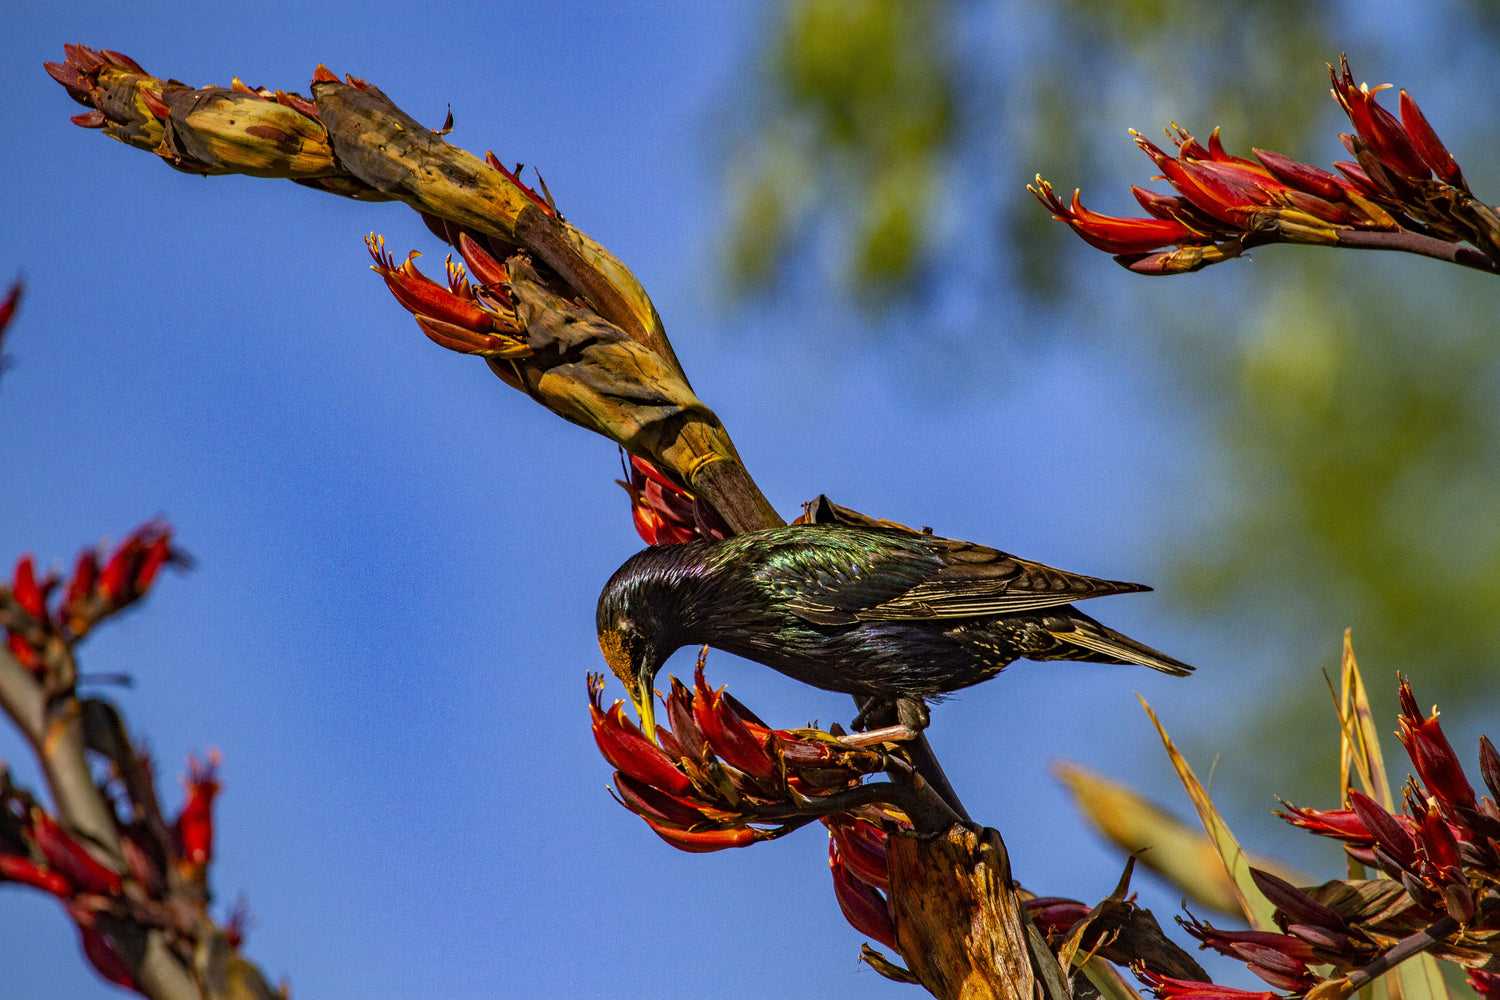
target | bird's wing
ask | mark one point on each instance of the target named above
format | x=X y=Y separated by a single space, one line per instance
x=976 y=582
x=831 y=578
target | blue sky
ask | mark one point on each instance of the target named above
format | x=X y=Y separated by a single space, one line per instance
x=390 y=619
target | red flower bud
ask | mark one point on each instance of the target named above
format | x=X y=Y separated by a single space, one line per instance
x=23 y=652
x=1055 y=915
x=705 y=841
x=28 y=594
x=1486 y=984
x=1397 y=841
x=1170 y=988
x=484 y=267
x=684 y=725
x=864 y=907
x=194 y=829
x=1489 y=766
x=1439 y=844
x=9 y=303
x=1379 y=129
x=102 y=955
x=625 y=747
x=862 y=847
x=1292 y=904
x=1428 y=145
x=727 y=734
x=1110 y=233
x=70 y=858
x=81 y=584
x=14 y=868
x=1435 y=762
x=1343 y=824
x=118 y=573
x=1301 y=176
x=656 y=806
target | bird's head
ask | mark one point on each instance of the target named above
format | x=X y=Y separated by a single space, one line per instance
x=634 y=658
x=647 y=611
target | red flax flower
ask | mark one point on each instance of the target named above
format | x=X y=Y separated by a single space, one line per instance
x=664 y=511
x=101 y=895
x=1440 y=854
x=1169 y=988
x=717 y=777
x=1282 y=960
x=461 y=316
x=1403 y=192
x=194 y=829
x=35 y=612
x=35 y=850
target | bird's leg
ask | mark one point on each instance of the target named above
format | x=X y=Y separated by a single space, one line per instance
x=874 y=713
x=912 y=713
x=880 y=712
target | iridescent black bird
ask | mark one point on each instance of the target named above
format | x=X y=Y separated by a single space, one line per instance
x=868 y=611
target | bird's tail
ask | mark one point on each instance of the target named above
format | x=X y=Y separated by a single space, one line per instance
x=1102 y=644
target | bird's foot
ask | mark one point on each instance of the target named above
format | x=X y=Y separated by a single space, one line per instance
x=874 y=714
x=912 y=713
x=899 y=713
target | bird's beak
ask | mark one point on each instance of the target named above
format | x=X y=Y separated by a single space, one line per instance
x=639 y=678
x=643 y=694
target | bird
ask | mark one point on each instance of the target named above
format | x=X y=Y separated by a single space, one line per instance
x=887 y=614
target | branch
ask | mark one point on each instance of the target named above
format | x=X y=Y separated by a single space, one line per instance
x=1424 y=246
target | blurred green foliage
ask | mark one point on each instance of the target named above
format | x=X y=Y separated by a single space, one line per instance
x=1353 y=399
x=857 y=112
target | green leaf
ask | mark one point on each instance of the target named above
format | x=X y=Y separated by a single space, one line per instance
x=1256 y=908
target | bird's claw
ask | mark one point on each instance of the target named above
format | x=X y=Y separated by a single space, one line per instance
x=899 y=713
x=912 y=713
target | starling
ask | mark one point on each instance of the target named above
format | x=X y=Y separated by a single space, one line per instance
x=883 y=613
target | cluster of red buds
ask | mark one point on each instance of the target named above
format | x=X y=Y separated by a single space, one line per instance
x=43 y=615
x=80 y=72
x=1314 y=935
x=717 y=777
x=1443 y=849
x=861 y=875
x=664 y=511
x=208 y=130
x=1441 y=893
x=1402 y=191
x=461 y=316
x=36 y=850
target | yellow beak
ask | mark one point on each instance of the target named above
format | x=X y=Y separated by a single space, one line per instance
x=643 y=694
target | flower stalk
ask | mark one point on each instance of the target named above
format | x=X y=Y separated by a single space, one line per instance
x=1402 y=191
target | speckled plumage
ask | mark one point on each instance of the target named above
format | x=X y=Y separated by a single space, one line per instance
x=863 y=610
